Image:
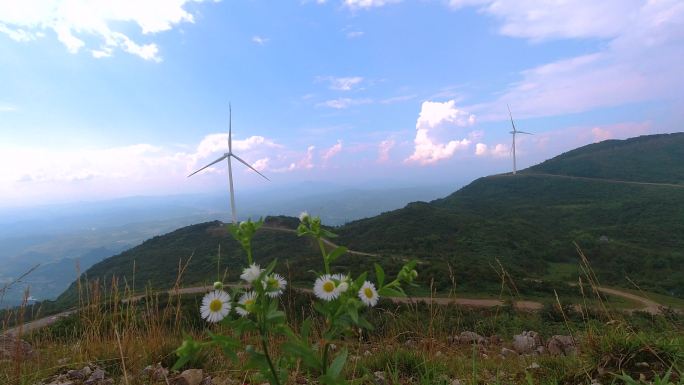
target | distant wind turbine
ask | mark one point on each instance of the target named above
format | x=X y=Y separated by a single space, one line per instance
x=514 y=132
x=227 y=156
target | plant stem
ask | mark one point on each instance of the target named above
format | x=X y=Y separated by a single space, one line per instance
x=325 y=255
x=325 y=358
x=274 y=374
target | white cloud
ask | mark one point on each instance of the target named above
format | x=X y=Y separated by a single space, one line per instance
x=261 y=164
x=384 y=149
x=543 y=20
x=433 y=117
x=498 y=151
x=332 y=151
x=307 y=161
x=341 y=83
x=77 y=21
x=433 y=114
x=355 y=4
x=260 y=40
x=343 y=103
x=354 y=34
x=635 y=64
x=7 y=108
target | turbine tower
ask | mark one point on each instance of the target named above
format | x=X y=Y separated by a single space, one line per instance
x=227 y=156
x=514 y=132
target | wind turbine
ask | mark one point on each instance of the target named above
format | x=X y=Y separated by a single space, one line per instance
x=514 y=132
x=227 y=156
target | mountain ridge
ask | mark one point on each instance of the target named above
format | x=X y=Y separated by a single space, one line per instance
x=525 y=222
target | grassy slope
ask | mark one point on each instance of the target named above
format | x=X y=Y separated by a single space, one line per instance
x=652 y=158
x=524 y=222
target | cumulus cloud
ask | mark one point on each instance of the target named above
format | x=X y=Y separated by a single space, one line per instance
x=260 y=40
x=76 y=21
x=261 y=164
x=642 y=40
x=384 y=149
x=341 y=83
x=332 y=151
x=307 y=161
x=343 y=103
x=497 y=151
x=433 y=117
x=355 y=4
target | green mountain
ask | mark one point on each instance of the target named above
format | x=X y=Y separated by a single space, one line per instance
x=619 y=201
x=652 y=158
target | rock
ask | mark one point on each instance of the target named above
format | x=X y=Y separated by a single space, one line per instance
x=438 y=354
x=495 y=340
x=533 y=366
x=540 y=350
x=455 y=381
x=62 y=361
x=471 y=338
x=561 y=345
x=96 y=377
x=411 y=343
x=76 y=375
x=379 y=378
x=159 y=373
x=86 y=371
x=188 y=377
x=14 y=348
x=526 y=342
x=642 y=365
x=506 y=352
x=206 y=381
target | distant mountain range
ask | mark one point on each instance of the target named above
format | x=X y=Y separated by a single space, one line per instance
x=65 y=237
x=620 y=201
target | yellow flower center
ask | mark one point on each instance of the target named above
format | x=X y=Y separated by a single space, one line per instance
x=249 y=302
x=215 y=305
x=368 y=293
x=329 y=287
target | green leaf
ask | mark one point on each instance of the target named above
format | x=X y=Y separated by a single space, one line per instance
x=337 y=365
x=353 y=313
x=339 y=250
x=391 y=292
x=379 y=275
x=271 y=266
x=227 y=344
x=186 y=352
x=360 y=280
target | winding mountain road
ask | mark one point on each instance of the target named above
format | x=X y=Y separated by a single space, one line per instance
x=648 y=305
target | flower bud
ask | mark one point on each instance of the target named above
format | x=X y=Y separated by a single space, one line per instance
x=218 y=285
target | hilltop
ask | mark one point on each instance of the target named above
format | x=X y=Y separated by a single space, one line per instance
x=529 y=223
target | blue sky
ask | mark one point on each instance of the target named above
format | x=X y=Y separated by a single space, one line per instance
x=117 y=98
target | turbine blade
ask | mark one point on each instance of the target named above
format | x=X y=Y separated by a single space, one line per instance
x=230 y=128
x=523 y=132
x=247 y=164
x=210 y=164
x=511 y=115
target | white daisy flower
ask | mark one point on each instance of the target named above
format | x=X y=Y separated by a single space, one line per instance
x=215 y=305
x=274 y=285
x=325 y=288
x=303 y=216
x=368 y=294
x=251 y=273
x=247 y=300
